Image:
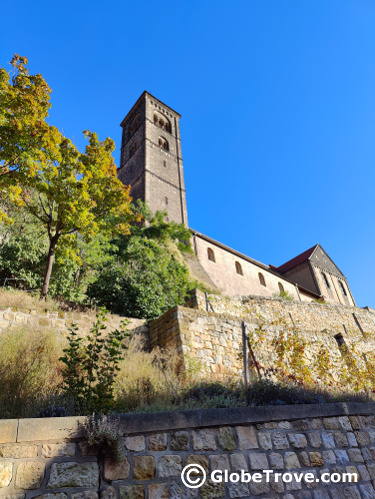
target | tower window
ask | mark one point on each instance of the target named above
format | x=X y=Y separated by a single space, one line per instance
x=239 y=268
x=343 y=288
x=281 y=288
x=133 y=148
x=211 y=255
x=262 y=279
x=163 y=144
x=164 y=163
x=326 y=280
x=166 y=200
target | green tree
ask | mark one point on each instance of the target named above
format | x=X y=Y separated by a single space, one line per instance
x=143 y=279
x=68 y=192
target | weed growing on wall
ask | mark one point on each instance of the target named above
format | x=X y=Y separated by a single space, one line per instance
x=309 y=364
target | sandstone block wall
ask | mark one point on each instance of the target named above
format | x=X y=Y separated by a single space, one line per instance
x=215 y=337
x=49 y=458
x=60 y=320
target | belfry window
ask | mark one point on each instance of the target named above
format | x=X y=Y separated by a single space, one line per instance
x=262 y=279
x=162 y=122
x=211 y=255
x=163 y=144
x=239 y=268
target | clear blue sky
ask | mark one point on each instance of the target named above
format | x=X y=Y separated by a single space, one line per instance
x=277 y=101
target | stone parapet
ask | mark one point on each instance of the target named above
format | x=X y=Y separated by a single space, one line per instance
x=53 y=461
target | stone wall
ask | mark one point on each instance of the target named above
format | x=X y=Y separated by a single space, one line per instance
x=49 y=458
x=61 y=321
x=215 y=337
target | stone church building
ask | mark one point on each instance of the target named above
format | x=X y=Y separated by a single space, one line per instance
x=151 y=162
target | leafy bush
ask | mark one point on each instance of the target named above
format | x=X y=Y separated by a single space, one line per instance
x=143 y=280
x=30 y=372
x=91 y=366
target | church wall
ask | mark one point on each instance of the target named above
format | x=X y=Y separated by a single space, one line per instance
x=223 y=273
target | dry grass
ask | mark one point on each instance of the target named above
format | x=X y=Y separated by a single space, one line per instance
x=30 y=370
x=147 y=378
x=18 y=299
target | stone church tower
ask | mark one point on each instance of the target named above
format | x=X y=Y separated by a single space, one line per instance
x=151 y=159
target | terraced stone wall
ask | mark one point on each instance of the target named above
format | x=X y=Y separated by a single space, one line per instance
x=214 y=337
x=49 y=459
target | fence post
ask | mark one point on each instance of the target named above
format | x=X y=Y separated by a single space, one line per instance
x=244 y=353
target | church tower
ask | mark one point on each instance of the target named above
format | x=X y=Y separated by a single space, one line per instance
x=151 y=159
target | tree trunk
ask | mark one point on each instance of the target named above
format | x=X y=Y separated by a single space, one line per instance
x=47 y=275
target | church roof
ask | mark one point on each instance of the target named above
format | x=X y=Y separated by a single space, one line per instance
x=303 y=257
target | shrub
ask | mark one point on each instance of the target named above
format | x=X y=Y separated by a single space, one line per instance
x=91 y=366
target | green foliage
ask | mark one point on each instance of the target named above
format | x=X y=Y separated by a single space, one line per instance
x=155 y=227
x=143 y=279
x=91 y=366
x=69 y=193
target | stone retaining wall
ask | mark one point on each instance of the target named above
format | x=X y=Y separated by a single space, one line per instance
x=214 y=337
x=48 y=458
x=59 y=320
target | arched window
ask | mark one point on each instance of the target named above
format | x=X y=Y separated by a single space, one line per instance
x=239 y=268
x=281 y=288
x=133 y=147
x=163 y=143
x=326 y=280
x=162 y=122
x=136 y=123
x=343 y=288
x=262 y=279
x=211 y=255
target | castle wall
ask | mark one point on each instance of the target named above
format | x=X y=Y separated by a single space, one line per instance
x=50 y=459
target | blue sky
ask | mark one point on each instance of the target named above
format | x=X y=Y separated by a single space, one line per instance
x=277 y=101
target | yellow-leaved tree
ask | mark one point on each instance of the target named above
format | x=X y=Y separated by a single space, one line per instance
x=70 y=193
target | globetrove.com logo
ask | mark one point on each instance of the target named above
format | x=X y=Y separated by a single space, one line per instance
x=194 y=476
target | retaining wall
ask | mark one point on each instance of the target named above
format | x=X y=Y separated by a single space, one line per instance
x=215 y=337
x=61 y=321
x=49 y=458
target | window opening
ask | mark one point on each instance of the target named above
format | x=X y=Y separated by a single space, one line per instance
x=262 y=279
x=239 y=268
x=281 y=288
x=211 y=255
x=343 y=288
x=326 y=280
